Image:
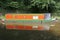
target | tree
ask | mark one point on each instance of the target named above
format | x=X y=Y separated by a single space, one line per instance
x=42 y=6
x=34 y=6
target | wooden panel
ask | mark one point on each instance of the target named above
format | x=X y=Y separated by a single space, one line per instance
x=9 y=16
x=19 y=17
x=41 y=17
x=24 y=16
x=28 y=16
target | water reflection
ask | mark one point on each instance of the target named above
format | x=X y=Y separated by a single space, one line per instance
x=26 y=35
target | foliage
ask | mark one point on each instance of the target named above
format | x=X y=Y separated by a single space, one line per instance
x=32 y=5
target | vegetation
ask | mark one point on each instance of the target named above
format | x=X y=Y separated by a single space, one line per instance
x=31 y=6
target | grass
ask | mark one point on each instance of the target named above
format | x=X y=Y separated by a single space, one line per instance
x=2 y=17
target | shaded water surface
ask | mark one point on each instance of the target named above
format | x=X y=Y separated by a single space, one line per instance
x=26 y=35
